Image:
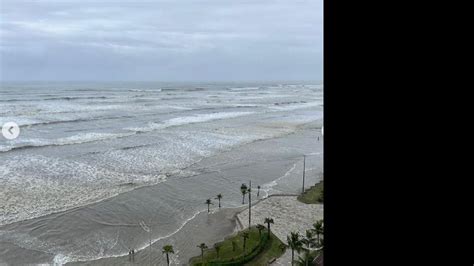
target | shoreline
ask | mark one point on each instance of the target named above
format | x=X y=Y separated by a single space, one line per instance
x=206 y=227
x=142 y=254
x=297 y=128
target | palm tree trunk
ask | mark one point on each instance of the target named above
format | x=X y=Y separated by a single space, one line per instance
x=167 y=259
x=243 y=198
x=292 y=256
x=307 y=256
x=219 y=203
x=317 y=235
x=202 y=255
x=207 y=208
x=268 y=237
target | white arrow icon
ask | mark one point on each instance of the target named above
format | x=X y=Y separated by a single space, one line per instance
x=10 y=130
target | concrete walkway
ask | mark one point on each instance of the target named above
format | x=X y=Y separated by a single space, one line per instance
x=289 y=215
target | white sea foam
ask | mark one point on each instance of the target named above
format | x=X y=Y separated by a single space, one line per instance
x=268 y=187
x=200 y=118
x=75 y=139
x=33 y=186
x=244 y=89
x=142 y=90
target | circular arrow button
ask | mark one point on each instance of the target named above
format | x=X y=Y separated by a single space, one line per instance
x=10 y=130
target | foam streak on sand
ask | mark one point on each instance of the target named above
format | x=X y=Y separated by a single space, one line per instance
x=269 y=186
x=61 y=259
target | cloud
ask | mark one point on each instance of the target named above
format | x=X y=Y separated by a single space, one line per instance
x=161 y=40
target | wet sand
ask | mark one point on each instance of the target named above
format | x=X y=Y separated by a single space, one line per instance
x=205 y=228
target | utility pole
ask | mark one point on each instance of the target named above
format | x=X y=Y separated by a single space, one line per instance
x=304 y=169
x=250 y=201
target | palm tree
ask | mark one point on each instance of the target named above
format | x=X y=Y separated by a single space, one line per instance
x=282 y=247
x=167 y=250
x=208 y=202
x=318 y=229
x=258 y=190
x=309 y=241
x=245 y=235
x=217 y=247
x=202 y=246
x=294 y=243
x=243 y=190
x=268 y=221
x=303 y=261
x=260 y=228
x=219 y=197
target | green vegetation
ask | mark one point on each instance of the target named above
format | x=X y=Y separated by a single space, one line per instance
x=273 y=249
x=247 y=247
x=202 y=246
x=294 y=242
x=318 y=229
x=313 y=195
x=167 y=250
x=309 y=240
x=208 y=202
x=260 y=228
x=307 y=257
x=305 y=244
x=219 y=197
x=243 y=190
x=268 y=221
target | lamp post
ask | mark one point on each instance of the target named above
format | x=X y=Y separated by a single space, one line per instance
x=304 y=169
x=250 y=201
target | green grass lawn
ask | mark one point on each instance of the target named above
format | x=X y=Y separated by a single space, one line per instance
x=313 y=195
x=272 y=249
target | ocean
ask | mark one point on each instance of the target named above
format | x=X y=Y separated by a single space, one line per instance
x=95 y=159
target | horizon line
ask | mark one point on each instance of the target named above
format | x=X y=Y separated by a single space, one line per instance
x=168 y=81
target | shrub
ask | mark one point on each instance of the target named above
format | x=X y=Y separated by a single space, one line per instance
x=241 y=259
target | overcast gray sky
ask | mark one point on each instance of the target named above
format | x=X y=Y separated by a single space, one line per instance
x=173 y=40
